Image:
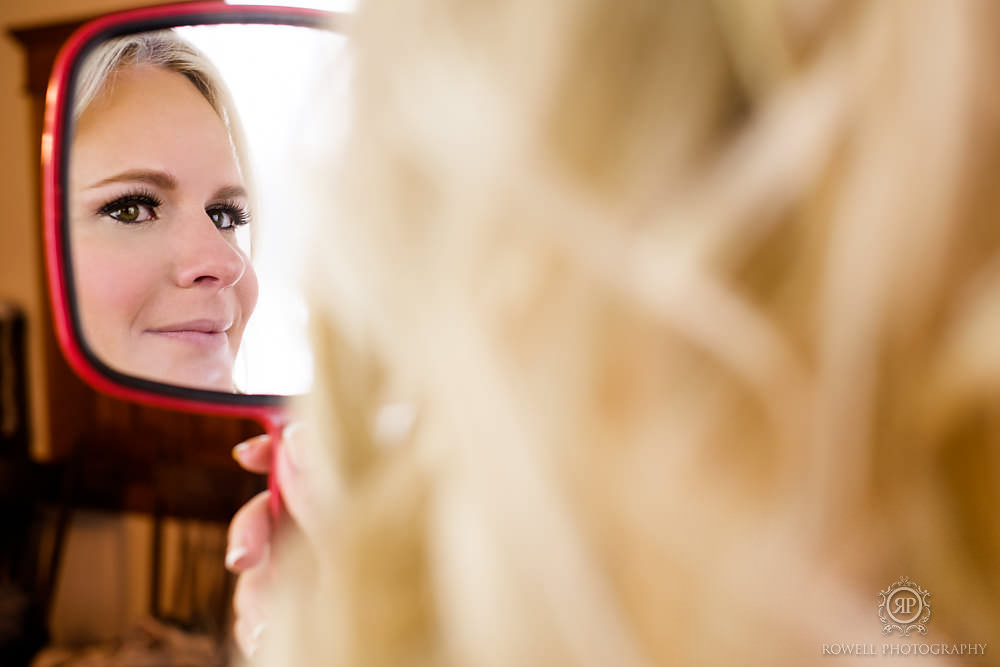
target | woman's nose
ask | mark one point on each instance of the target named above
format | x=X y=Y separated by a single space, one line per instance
x=205 y=256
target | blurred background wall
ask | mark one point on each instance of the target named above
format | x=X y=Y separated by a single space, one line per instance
x=20 y=269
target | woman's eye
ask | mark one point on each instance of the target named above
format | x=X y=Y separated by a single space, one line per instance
x=227 y=218
x=129 y=212
x=221 y=219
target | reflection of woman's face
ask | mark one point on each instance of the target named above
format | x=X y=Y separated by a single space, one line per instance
x=163 y=290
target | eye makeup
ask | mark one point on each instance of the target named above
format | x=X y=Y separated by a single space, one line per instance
x=228 y=215
x=140 y=206
x=127 y=209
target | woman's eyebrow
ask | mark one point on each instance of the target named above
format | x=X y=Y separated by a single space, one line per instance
x=164 y=181
x=161 y=179
x=231 y=192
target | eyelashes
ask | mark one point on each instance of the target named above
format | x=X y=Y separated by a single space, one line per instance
x=141 y=206
x=132 y=208
x=228 y=215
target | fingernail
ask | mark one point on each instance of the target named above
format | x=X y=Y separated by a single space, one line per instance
x=245 y=446
x=255 y=634
x=234 y=556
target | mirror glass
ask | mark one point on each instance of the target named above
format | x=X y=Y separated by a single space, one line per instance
x=180 y=169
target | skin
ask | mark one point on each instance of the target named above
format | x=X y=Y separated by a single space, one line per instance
x=164 y=291
x=251 y=532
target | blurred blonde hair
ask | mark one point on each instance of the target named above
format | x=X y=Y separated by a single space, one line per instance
x=697 y=304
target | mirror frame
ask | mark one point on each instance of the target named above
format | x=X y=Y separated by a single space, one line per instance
x=56 y=139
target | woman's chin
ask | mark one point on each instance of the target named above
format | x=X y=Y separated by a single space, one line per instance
x=222 y=381
x=218 y=379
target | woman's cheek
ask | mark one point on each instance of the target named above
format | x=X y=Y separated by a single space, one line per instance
x=111 y=284
x=247 y=289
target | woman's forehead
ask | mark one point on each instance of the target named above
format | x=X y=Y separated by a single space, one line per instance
x=145 y=90
x=153 y=117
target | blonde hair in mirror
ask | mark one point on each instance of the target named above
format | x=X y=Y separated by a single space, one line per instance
x=697 y=302
x=162 y=48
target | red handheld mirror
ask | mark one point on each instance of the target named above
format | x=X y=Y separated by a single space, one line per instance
x=178 y=335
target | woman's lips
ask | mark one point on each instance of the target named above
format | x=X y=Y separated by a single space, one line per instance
x=207 y=339
x=206 y=333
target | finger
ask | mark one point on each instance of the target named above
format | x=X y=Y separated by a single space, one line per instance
x=254 y=454
x=250 y=606
x=247 y=636
x=249 y=534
